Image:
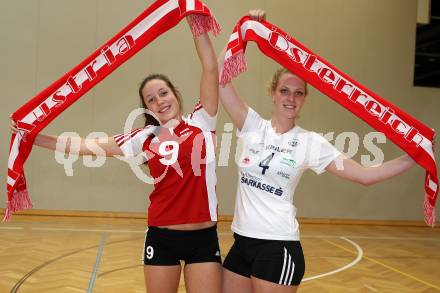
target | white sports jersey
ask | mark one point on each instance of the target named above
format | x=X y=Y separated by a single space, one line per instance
x=270 y=166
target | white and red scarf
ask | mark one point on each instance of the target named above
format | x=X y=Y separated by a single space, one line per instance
x=410 y=135
x=37 y=113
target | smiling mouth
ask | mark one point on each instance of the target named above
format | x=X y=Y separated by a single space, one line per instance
x=163 y=110
x=290 y=107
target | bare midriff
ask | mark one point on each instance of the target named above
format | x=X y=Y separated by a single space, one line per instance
x=189 y=227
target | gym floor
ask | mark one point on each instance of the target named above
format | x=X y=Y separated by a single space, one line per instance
x=80 y=254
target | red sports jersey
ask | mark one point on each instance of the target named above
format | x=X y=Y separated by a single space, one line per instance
x=182 y=162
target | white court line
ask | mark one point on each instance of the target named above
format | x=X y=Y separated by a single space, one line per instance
x=353 y=263
x=371 y=288
x=87 y=230
x=397 y=238
x=374 y=237
x=360 y=254
x=358 y=258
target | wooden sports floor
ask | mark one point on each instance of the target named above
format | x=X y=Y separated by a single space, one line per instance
x=74 y=254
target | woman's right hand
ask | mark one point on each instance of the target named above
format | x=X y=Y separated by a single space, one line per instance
x=257 y=14
x=12 y=125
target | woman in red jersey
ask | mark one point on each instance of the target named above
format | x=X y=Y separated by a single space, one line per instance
x=180 y=155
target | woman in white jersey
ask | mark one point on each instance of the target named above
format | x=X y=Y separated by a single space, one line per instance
x=266 y=255
x=183 y=206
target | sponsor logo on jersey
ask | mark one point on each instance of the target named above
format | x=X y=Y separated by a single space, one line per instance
x=250 y=176
x=288 y=162
x=246 y=161
x=254 y=151
x=255 y=148
x=276 y=148
x=293 y=143
x=185 y=132
x=262 y=186
x=283 y=174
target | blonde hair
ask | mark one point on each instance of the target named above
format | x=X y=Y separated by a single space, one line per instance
x=276 y=78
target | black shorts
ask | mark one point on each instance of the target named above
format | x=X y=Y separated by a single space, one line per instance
x=165 y=247
x=276 y=261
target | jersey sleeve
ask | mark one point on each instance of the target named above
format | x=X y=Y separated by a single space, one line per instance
x=202 y=119
x=321 y=153
x=252 y=123
x=131 y=143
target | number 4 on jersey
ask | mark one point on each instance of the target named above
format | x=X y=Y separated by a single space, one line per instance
x=265 y=163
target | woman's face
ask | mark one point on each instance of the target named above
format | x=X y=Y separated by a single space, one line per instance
x=160 y=100
x=289 y=96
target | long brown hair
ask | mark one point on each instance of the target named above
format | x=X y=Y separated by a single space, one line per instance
x=149 y=119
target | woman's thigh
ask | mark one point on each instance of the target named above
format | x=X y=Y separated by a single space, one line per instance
x=262 y=286
x=203 y=277
x=235 y=283
x=162 y=279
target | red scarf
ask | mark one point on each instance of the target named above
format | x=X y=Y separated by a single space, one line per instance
x=36 y=114
x=410 y=135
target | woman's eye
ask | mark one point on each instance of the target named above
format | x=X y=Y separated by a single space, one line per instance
x=299 y=94
x=284 y=91
x=163 y=94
